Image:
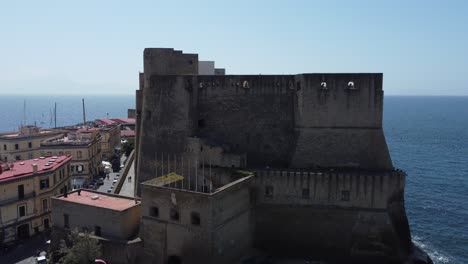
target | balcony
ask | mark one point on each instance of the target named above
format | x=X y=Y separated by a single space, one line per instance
x=27 y=196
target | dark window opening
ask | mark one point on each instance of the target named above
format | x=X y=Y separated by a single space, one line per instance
x=195 y=218
x=4 y=147
x=46 y=223
x=345 y=195
x=305 y=193
x=16 y=146
x=269 y=191
x=154 y=211
x=22 y=211
x=201 y=123
x=20 y=191
x=45 y=205
x=30 y=145
x=174 y=214
x=18 y=157
x=44 y=184
x=66 y=220
x=36 y=230
x=97 y=230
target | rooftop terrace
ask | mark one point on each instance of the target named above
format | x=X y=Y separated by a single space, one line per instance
x=102 y=200
x=24 y=168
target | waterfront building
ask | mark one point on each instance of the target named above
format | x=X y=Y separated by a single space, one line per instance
x=24 y=144
x=84 y=146
x=26 y=188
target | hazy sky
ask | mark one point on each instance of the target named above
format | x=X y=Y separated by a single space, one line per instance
x=96 y=47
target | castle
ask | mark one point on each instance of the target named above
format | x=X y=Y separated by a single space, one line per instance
x=293 y=165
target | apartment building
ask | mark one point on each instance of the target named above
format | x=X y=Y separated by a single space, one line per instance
x=84 y=146
x=26 y=188
x=23 y=144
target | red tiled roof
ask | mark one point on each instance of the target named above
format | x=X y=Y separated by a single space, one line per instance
x=127 y=133
x=103 y=200
x=116 y=121
x=23 y=168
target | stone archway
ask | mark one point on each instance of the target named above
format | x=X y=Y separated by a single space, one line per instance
x=23 y=231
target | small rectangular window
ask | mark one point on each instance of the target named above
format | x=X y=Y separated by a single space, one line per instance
x=305 y=193
x=345 y=195
x=29 y=144
x=66 y=220
x=16 y=146
x=195 y=218
x=174 y=214
x=269 y=191
x=44 y=184
x=22 y=211
x=18 y=157
x=154 y=211
x=20 y=191
x=5 y=147
x=45 y=205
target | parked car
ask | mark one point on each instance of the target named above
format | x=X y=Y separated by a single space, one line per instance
x=100 y=181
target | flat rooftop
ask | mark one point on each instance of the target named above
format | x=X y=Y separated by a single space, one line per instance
x=14 y=135
x=24 y=168
x=102 y=200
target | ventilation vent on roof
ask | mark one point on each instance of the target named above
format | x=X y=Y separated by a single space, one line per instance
x=36 y=159
x=55 y=157
x=95 y=197
x=42 y=157
x=47 y=164
x=21 y=163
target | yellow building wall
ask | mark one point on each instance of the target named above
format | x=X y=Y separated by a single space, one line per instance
x=34 y=196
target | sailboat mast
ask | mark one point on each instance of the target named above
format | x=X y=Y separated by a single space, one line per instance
x=24 y=113
x=55 y=115
x=84 y=114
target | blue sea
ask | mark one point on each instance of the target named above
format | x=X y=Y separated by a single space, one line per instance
x=427 y=137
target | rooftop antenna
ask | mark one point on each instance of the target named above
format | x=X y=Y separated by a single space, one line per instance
x=84 y=115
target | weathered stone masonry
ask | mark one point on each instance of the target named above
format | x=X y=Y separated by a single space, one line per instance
x=324 y=185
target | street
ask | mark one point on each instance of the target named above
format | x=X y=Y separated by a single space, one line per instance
x=25 y=252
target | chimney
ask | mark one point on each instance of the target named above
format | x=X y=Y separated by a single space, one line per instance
x=79 y=191
x=34 y=167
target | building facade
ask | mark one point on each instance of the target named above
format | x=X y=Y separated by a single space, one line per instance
x=184 y=221
x=26 y=188
x=112 y=219
x=24 y=144
x=110 y=141
x=84 y=146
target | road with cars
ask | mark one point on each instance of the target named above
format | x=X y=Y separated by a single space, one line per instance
x=109 y=183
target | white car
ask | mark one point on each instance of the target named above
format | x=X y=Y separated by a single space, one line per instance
x=41 y=260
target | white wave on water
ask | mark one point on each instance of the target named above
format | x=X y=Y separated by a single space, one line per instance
x=437 y=257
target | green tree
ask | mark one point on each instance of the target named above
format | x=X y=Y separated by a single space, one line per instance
x=79 y=248
x=128 y=146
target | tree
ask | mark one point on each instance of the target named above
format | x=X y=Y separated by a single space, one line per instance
x=128 y=146
x=78 y=248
